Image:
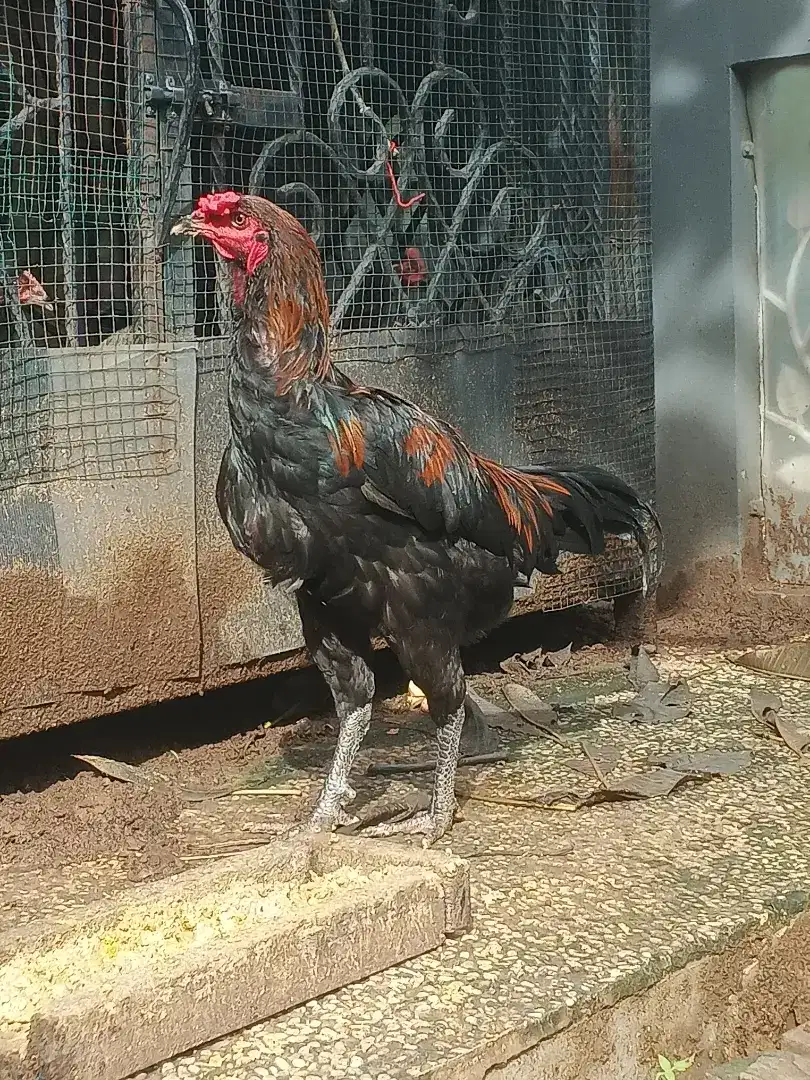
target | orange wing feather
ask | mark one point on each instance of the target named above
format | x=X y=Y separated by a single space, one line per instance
x=349 y=447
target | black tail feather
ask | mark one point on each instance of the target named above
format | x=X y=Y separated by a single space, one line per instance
x=599 y=504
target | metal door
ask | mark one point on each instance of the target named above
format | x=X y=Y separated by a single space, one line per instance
x=780 y=147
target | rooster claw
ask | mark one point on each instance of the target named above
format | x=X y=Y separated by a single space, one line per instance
x=318 y=823
x=431 y=827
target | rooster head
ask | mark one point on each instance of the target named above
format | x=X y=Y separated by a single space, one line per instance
x=31 y=292
x=233 y=224
x=279 y=291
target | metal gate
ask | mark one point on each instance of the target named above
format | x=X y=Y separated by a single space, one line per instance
x=476 y=176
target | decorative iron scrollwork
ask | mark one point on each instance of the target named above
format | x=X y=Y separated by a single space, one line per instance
x=446 y=216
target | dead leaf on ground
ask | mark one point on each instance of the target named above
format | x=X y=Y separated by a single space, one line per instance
x=120 y=770
x=766 y=708
x=706 y=762
x=533 y=709
x=642 y=669
x=145 y=778
x=790 y=661
x=497 y=717
x=533 y=659
x=558 y=657
x=606 y=757
x=528 y=662
x=650 y=785
x=500 y=718
x=657 y=701
x=763 y=702
x=514 y=666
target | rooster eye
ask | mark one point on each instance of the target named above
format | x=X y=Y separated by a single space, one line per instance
x=239 y=220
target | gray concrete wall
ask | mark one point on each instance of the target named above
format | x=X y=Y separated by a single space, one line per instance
x=703 y=252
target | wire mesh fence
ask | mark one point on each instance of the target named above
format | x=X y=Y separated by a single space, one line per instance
x=475 y=175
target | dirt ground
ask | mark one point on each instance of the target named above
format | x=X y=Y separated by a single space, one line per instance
x=713 y=608
x=55 y=810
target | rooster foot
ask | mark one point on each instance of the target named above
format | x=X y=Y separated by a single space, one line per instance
x=427 y=824
x=328 y=822
x=329 y=813
x=320 y=821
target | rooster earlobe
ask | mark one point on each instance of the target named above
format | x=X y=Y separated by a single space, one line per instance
x=259 y=250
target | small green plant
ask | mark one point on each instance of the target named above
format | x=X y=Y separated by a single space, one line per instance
x=670 y=1070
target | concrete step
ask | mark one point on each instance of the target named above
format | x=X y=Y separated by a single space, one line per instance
x=778 y=1065
x=797 y=1041
x=732 y=1071
x=790 y=1062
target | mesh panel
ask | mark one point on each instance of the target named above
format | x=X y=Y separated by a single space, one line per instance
x=475 y=174
x=82 y=392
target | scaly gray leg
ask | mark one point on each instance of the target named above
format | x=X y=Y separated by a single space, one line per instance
x=337 y=792
x=442 y=677
x=434 y=823
x=351 y=682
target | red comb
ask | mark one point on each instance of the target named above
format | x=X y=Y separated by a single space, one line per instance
x=219 y=204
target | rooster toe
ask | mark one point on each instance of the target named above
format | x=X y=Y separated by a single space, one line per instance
x=431 y=827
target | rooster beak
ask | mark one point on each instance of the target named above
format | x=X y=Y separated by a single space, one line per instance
x=49 y=306
x=185 y=226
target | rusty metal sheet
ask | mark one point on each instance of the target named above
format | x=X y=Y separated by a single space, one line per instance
x=98 y=595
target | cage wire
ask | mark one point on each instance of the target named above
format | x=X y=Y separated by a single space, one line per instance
x=475 y=174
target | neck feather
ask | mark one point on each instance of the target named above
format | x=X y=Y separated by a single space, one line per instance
x=284 y=309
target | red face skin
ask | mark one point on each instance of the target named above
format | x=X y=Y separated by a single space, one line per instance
x=412 y=269
x=233 y=234
x=31 y=293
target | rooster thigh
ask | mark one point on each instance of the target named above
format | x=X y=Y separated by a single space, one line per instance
x=351 y=681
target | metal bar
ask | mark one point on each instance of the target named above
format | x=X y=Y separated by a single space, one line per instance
x=144 y=150
x=213 y=12
x=510 y=75
x=178 y=162
x=294 y=46
x=597 y=125
x=175 y=136
x=62 y=37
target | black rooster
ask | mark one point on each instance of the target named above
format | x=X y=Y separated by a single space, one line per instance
x=379 y=516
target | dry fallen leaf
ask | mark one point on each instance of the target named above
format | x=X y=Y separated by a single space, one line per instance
x=642 y=669
x=533 y=659
x=657 y=701
x=796 y=739
x=559 y=657
x=499 y=718
x=513 y=665
x=766 y=708
x=650 y=785
x=539 y=658
x=606 y=757
x=706 y=762
x=762 y=702
x=791 y=661
x=533 y=709
x=120 y=770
